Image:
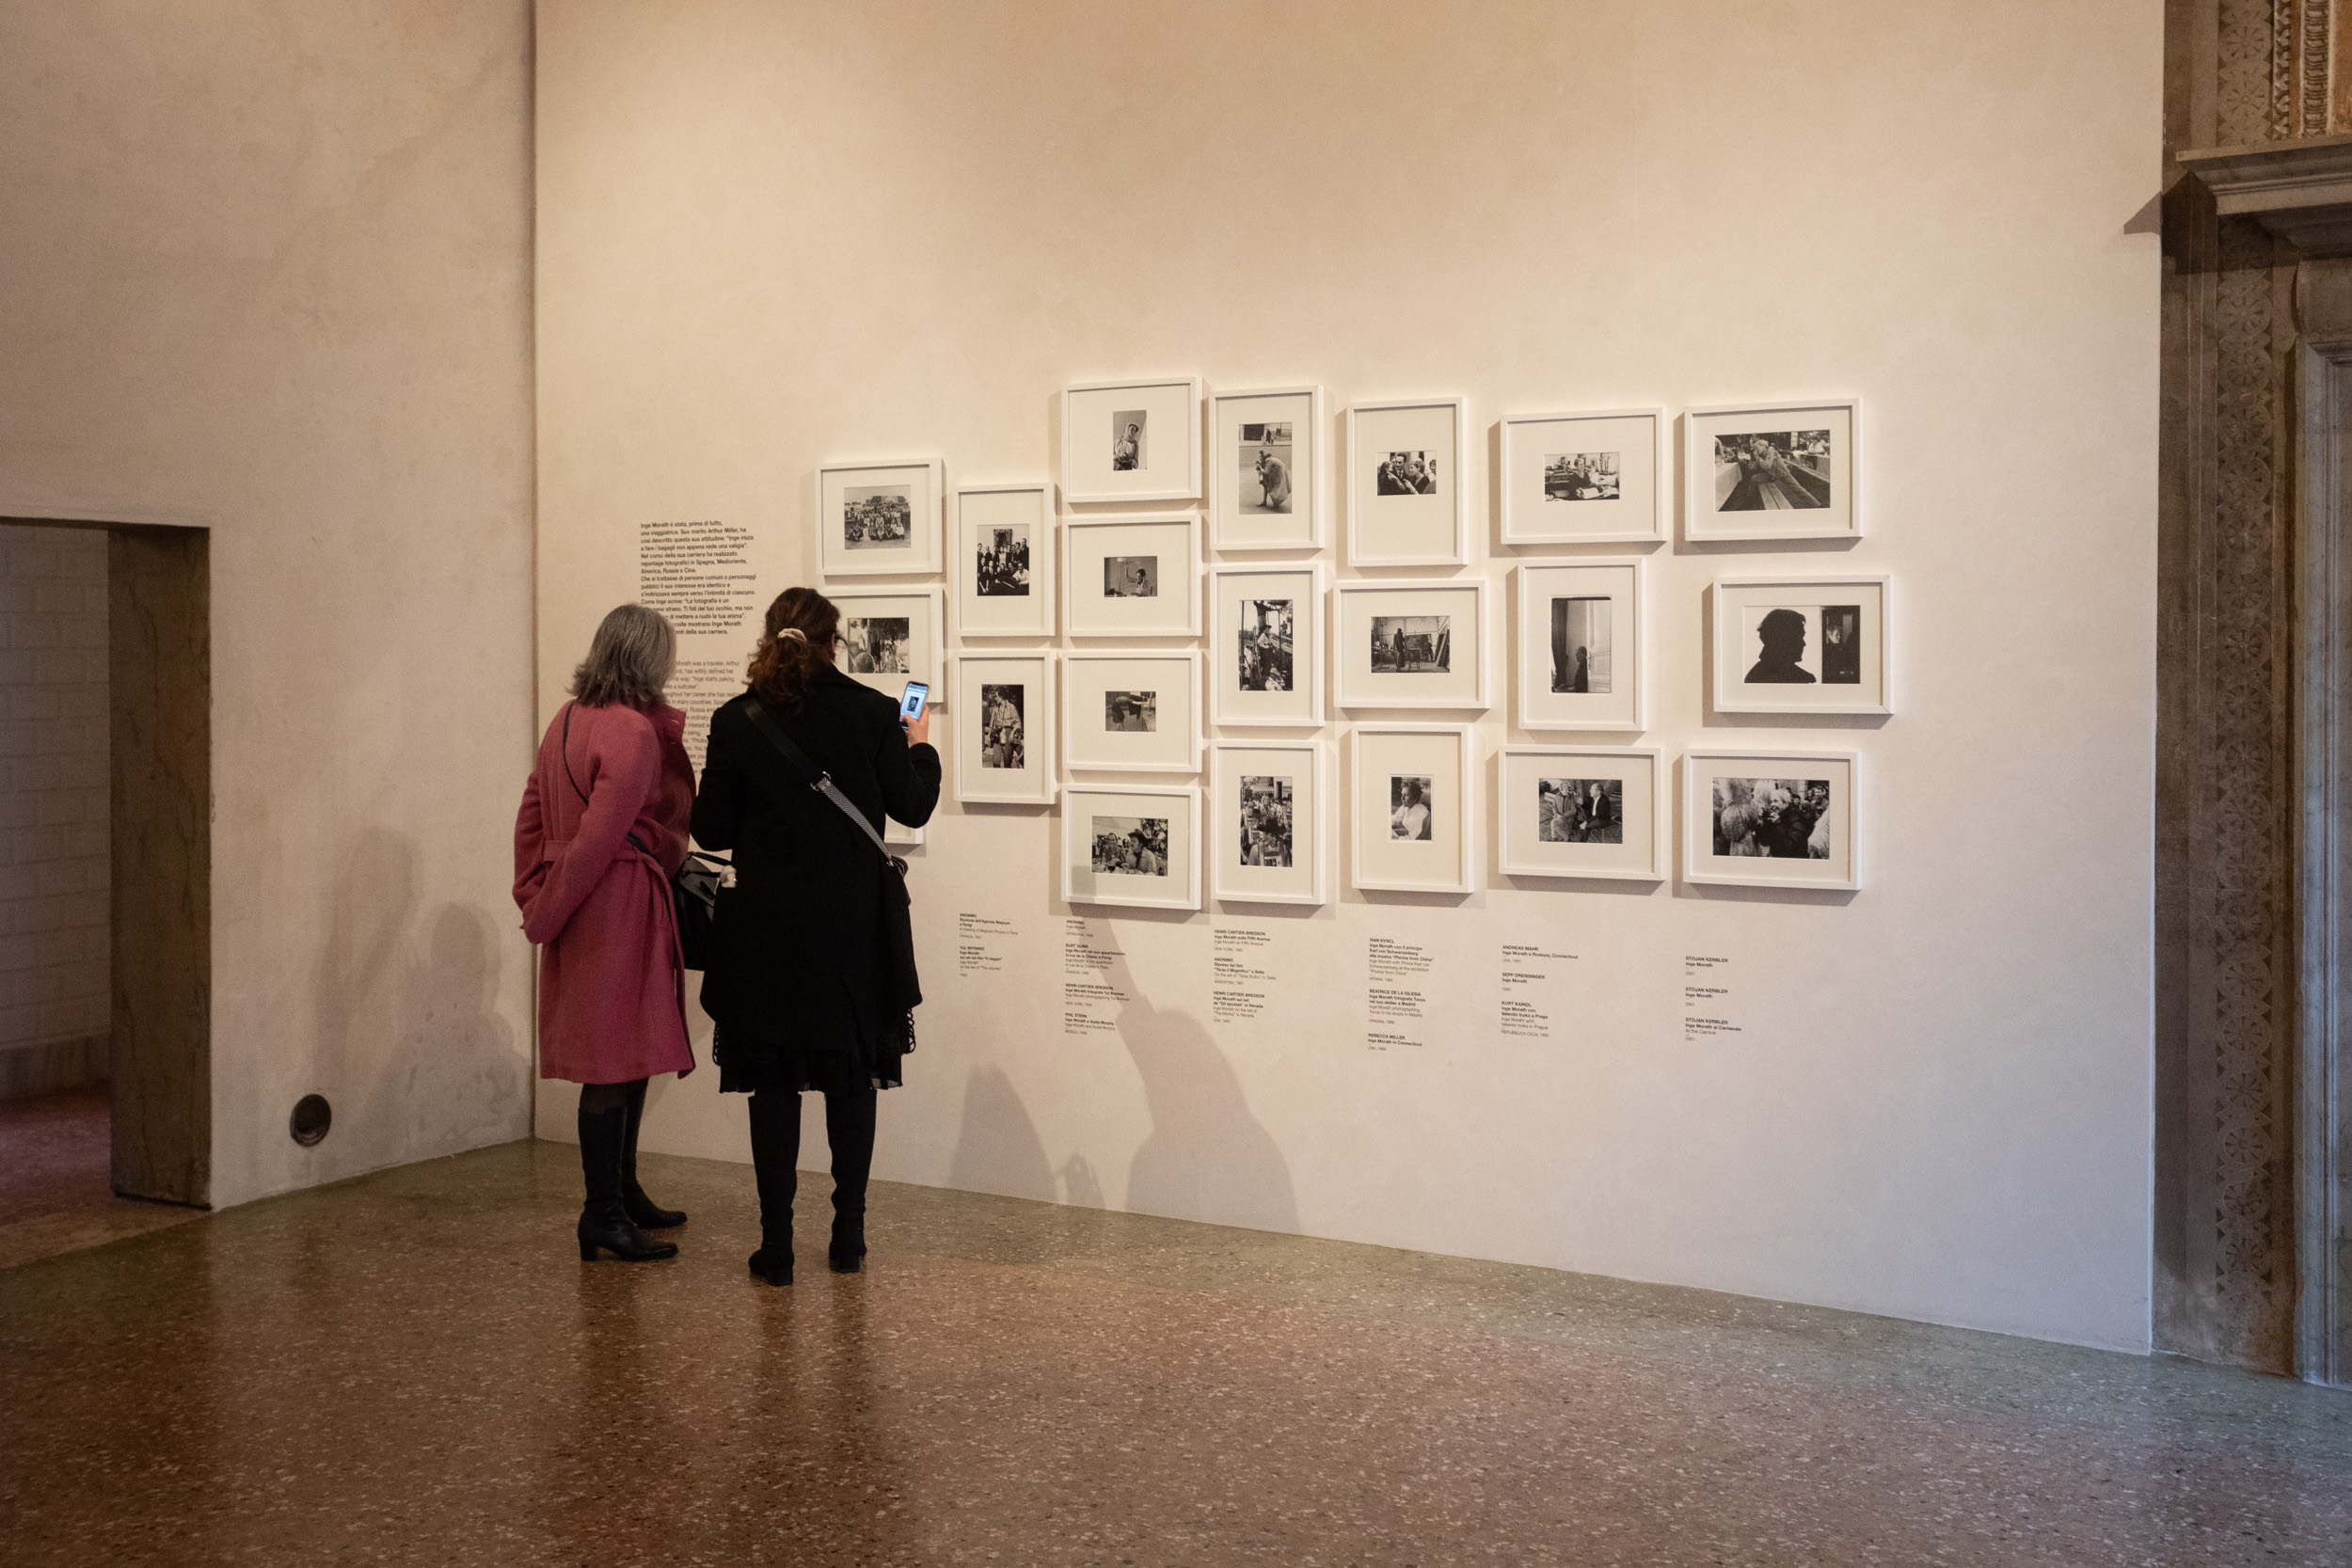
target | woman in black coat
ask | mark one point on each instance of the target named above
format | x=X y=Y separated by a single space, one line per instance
x=800 y=983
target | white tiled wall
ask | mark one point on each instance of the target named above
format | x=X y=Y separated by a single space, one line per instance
x=52 y=785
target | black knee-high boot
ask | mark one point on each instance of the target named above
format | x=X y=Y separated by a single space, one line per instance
x=849 y=1129
x=603 y=1222
x=775 y=1167
x=644 y=1212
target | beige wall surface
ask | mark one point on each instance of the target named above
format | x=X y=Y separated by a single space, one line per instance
x=265 y=268
x=775 y=235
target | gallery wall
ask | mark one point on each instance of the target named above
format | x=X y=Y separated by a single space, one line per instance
x=774 y=236
x=268 y=273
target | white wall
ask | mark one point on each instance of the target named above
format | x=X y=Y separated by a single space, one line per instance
x=267 y=271
x=775 y=235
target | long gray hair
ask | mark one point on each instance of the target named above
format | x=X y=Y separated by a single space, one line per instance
x=630 y=661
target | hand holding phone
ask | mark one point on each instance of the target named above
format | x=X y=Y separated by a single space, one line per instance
x=911 y=717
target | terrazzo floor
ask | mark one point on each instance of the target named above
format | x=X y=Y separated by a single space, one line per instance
x=415 y=1368
x=57 y=1193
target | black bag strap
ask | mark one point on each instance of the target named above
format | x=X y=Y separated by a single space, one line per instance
x=819 y=782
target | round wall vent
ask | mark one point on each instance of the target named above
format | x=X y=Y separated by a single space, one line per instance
x=312 y=1115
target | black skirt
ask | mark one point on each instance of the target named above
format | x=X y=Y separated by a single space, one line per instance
x=753 y=1066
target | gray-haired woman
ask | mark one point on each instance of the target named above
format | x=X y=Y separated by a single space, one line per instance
x=602 y=830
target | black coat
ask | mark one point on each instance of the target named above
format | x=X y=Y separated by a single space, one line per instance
x=796 y=960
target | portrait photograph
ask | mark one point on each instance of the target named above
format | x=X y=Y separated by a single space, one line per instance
x=1411 y=644
x=1411 y=811
x=1265 y=832
x=1579 y=663
x=891 y=636
x=1003 y=740
x=1580 y=812
x=1409 y=800
x=1577 y=479
x=1004 y=732
x=1407 y=502
x=1265 y=492
x=879 y=519
x=1131 y=440
x=1004 y=560
x=1770 y=819
x=1137 y=846
x=1802 y=646
x=1773 y=471
x=1132 y=576
x=1131 y=712
x=1267 y=644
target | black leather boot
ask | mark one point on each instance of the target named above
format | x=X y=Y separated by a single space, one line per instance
x=849 y=1129
x=775 y=1167
x=644 y=1212
x=603 y=1222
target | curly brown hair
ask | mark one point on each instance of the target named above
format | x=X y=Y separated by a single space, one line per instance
x=783 y=663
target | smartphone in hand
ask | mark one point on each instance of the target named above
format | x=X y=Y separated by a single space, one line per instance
x=911 y=705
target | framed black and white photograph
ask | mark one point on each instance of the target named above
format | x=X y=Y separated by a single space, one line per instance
x=1410 y=644
x=1584 y=479
x=879 y=519
x=1004 y=561
x=1004 y=728
x=1132 y=712
x=1266 y=661
x=1131 y=440
x=1407 y=493
x=1266 y=470
x=1132 y=577
x=1412 y=809
x=1573 y=810
x=1802 y=644
x=1132 y=845
x=891 y=636
x=1579 y=646
x=1266 y=822
x=1770 y=818
x=1773 y=470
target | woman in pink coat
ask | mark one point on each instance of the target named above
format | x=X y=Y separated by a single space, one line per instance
x=602 y=830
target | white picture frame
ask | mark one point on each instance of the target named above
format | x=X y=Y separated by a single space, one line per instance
x=844 y=549
x=1394 y=444
x=1166 y=412
x=1010 y=598
x=1581 y=623
x=1550 y=822
x=1104 y=589
x=1166 y=880
x=920 y=656
x=983 y=776
x=1817 y=495
x=1246 y=835
x=1377 y=663
x=1392 y=851
x=1244 y=453
x=897 y=832
x=1260 y=672
x=1791 y=772
x=1108 y=696
x=1596 y=478
x=1816 y=642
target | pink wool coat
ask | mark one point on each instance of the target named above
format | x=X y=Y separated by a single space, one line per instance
x=611 y=988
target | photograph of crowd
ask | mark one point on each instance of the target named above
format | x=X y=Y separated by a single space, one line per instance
x=1131 y=712
x=1265 y=466
x=1580 y=810
x=1773 y=818
x=1784 y=634
x=1412 y=644
x=876 y=644
x=1579 y=646
x=1265 y=821
x=1002 y=567
x=1127 y=432
x=1408 y=807
x=1407 y=473
x=876 y=517
x=1581 y=476
x=1772 y=471
x=1131 y=845
x=1003 y=735
x=1131 y=576
x=1265 y=644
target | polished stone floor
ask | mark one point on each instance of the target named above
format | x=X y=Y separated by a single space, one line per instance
x=415 y=1368
x=55 y=1191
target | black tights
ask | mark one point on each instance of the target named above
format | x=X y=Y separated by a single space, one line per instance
x=777 y=1157
x=596 y=1099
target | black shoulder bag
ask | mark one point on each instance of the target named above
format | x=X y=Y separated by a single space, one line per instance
x=694 y=891
x=897 y=933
